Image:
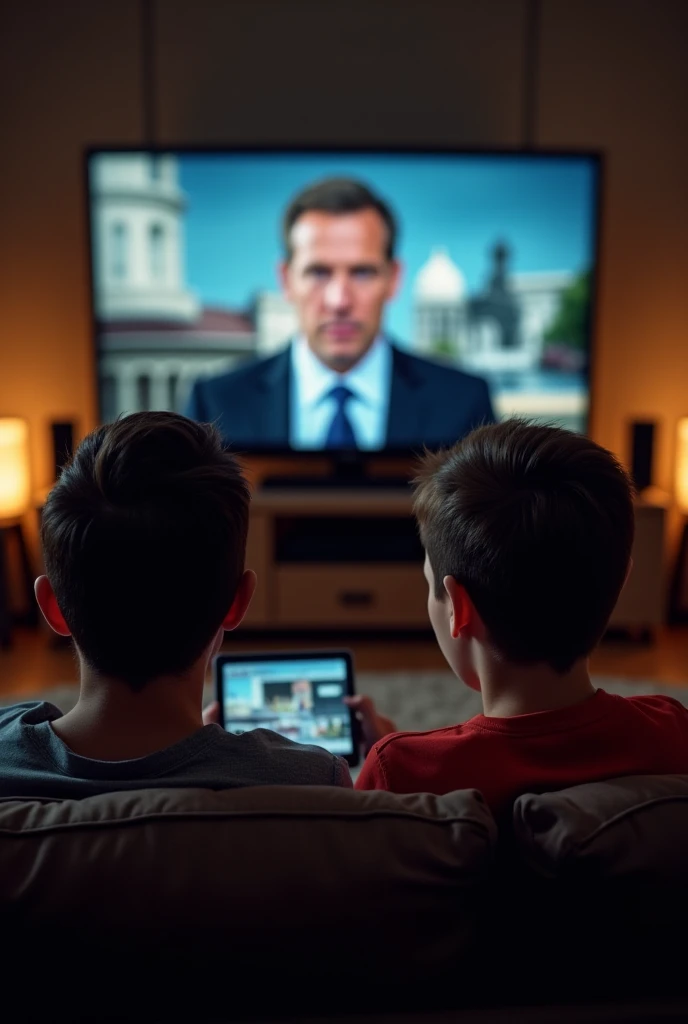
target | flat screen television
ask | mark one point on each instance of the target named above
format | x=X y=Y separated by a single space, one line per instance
x=343 y=300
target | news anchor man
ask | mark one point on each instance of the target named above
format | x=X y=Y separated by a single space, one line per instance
x=341 y=383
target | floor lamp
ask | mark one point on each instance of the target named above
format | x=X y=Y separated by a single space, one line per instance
x=14 y=502
x=678 y=598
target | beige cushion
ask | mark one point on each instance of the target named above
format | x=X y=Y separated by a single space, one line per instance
x=279 y=883
x=634 y=827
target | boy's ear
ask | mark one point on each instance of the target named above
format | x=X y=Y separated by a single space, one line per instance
x=242 y=599
x=47 y=602
x=460 y=606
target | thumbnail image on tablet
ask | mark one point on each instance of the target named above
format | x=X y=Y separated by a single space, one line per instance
x=296 y=694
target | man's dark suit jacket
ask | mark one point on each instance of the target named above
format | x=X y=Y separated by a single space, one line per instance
x=429 y=403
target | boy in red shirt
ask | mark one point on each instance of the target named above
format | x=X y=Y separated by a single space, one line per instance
x=527 y=531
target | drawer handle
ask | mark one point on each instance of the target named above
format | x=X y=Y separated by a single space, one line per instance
x=356 y=598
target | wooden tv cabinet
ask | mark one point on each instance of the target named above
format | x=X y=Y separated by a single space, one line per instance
x=351 y=560
x=330 y=559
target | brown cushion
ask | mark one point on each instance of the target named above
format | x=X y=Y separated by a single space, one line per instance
x=633 y=827
x=595 y=898
x=289 y=882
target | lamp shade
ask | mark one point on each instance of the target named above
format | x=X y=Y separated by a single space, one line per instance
x=681 y=481
x=14 y=468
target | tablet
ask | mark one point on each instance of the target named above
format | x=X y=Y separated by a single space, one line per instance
x=297 y=694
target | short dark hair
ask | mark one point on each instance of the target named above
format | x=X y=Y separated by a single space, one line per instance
x=338 y=195
x=144 y=538
x=537 y=523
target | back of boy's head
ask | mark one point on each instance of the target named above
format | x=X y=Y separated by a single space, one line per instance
x=537 y=524
x=144 y=538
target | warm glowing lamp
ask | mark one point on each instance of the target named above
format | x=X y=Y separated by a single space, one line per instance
x=682 y=464
x=14 y=468
x=678 y=600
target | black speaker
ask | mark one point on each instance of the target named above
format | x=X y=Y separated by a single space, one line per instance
x=642 y=453
x=63 y=446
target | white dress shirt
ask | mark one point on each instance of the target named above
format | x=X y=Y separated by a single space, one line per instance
x=311 y=408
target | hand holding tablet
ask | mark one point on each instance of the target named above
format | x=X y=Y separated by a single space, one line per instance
x=298 y=694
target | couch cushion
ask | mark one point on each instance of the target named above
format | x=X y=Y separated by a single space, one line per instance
x=599 y=906
x=634 y=827
x=321 y=883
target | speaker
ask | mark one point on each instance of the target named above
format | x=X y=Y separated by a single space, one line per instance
x=63 y=446
x=642 y=453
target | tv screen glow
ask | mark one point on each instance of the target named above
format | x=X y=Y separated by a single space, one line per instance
x=496 y=279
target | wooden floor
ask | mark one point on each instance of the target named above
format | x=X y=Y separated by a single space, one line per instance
x=36 y=660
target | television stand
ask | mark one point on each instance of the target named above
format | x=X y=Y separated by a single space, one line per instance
x=335 y=558
x=348 y=471
x=335 y=483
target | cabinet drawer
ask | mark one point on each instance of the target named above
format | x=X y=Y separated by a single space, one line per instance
x=352 y=595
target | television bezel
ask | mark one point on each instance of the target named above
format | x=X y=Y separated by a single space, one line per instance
x=357 y=457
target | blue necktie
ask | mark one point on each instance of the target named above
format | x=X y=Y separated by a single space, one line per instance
x=341 y=433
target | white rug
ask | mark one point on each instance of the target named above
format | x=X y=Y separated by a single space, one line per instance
x=413 y=700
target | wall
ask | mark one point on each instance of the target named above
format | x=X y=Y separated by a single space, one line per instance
x=614 y=75
x=609 y=74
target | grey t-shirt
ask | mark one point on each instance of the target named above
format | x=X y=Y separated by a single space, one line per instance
x=35 y=762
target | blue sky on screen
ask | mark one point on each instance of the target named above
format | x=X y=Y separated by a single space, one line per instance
x=239 y=688
x=543 y=208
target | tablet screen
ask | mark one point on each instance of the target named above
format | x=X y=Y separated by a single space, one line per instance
x=299 y=698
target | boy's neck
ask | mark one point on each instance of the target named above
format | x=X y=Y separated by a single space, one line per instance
x=508 y=690
x=111 y=722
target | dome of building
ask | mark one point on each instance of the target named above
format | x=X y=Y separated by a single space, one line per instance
x=440 y=280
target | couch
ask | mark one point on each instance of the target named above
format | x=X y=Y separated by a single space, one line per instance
x=311 y=903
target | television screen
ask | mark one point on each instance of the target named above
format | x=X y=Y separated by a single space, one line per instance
x=308 y=300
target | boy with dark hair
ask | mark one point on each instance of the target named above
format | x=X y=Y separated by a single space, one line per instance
x=144 y=538
x=528 y=533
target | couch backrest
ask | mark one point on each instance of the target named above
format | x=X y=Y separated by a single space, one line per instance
x=274 y=882
x=601 y=901
x=185 y=904
x=632 y=828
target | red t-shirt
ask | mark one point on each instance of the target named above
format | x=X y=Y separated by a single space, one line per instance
x=604 y=737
